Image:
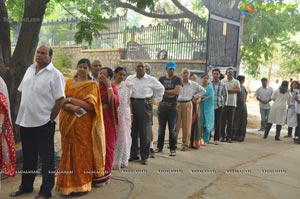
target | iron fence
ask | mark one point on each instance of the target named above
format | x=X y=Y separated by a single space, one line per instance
x=173 y=40
x=176 y=40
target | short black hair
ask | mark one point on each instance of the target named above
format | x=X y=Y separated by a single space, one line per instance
x=263 y=79
x=110 y=72
x=50 y=52
x=241 y=78
x=221 y=76
x=216 y=69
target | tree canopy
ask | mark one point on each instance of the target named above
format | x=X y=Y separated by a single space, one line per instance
x=267 y=31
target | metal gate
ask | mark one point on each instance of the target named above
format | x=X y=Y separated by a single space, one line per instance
x=223 y=35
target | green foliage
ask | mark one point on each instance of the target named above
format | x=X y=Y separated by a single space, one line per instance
x=291 y=57
x=90 y=24
x=61 y=61
x=199 y=9
x=263 y=30
x=15 y=9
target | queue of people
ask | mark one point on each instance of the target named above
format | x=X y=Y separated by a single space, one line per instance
x=105 y=119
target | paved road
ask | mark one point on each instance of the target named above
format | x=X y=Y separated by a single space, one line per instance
x=256 y=168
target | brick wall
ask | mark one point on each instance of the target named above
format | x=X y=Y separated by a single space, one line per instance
x=111 y=58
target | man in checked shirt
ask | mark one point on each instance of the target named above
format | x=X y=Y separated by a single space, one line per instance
x=220 y=101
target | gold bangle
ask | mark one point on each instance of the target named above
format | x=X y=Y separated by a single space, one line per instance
x=69 y=100
x=109 y=88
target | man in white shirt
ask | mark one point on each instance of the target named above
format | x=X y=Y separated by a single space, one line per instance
x=42 y=98
x=263 y=95
x=189 y=90
x=146 y=90
x=233 y=87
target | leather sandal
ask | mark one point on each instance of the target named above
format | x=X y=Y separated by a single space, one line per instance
x=18 y=193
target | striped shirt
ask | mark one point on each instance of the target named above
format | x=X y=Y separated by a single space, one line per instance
x=221 y=94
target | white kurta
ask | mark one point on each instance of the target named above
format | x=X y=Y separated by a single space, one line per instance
x=278 y=109
x=291 y=113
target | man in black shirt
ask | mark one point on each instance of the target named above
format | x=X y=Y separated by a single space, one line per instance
x=167 y=109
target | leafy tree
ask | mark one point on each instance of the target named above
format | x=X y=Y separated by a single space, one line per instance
x=264 y=31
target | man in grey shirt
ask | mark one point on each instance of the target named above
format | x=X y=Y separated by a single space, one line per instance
x=263 y=95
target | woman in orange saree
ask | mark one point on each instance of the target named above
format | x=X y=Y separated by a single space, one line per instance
x=82 y=134
x=110 y=101
x=7 y=142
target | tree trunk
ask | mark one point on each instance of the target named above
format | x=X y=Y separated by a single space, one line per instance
x=5 y=46
x=25 y=50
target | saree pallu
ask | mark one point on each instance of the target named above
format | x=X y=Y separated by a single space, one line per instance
x=7 y=142
x=196 y=139
x=82 y=140
x=110 y=121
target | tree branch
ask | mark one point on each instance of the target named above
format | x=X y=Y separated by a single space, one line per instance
x=188 y=13
x=152 y=15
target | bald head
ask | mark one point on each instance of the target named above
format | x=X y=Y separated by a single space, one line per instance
x=95 y=69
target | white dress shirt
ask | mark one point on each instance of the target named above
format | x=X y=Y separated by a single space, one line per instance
x=146 y=87
x=189 y=90
x=39 y=93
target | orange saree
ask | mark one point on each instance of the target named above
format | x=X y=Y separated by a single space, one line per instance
x=82 y=140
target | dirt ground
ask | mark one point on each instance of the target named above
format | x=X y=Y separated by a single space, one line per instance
x=257 y=168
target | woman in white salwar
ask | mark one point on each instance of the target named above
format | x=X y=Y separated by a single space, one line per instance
x=123 y=143
x=281 y=98
x=291 y=112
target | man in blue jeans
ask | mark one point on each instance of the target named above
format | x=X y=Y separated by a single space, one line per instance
x=167 y=109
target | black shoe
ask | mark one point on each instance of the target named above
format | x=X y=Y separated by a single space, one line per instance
x=229 y=140
x=172 y=153
x=157 y=150
x=287 y=136
x=152 y=154
x=277 y=139
x=144 y=162
x=133 y=159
